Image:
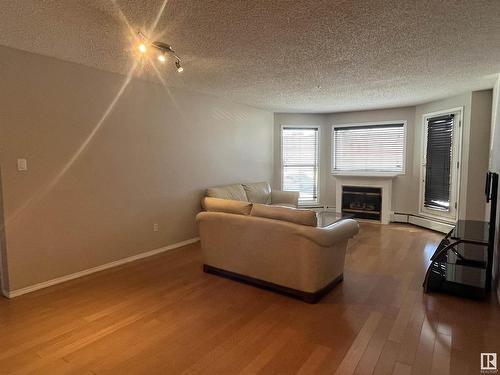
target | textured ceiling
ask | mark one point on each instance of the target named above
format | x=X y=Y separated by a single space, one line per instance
x=281 y=55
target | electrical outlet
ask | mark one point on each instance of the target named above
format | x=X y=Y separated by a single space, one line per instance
x=156 y=228
x=22 y=165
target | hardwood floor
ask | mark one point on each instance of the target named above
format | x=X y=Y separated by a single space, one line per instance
x=163 y=315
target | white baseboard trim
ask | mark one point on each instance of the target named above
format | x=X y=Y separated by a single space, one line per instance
x=420 y=221
x=62 y=279
x=430 y=224
x=399 y=218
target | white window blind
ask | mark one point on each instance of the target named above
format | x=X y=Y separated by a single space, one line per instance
x=300 y=162
x=368 y=148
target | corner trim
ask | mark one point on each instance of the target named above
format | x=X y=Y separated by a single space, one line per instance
x=72 y=276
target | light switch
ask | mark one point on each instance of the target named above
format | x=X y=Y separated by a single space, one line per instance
x=22 y=165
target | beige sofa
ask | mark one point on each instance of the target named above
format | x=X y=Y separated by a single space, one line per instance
x=273 y=247
x=259 y=192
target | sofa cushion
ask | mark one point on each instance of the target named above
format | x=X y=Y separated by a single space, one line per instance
x=259 y=192
x=285 y=198
x=226 y=205
x=234 y=192
x=293 y=215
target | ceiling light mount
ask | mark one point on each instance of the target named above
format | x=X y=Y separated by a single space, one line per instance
x=164 y=50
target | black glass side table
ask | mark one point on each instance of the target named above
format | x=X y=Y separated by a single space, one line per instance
x=461 y=264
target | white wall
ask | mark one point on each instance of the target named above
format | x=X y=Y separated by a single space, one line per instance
x=149 y=163
x=405 y=199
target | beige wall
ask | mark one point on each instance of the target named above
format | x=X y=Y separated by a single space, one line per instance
x=4 y=280
x=402 y=184
x=404 y=194
x=148 y=163
x=495 y=167
x=475 y=138
x=459 y=101
x=312 y=119
x=476 y=133
x=479 y=140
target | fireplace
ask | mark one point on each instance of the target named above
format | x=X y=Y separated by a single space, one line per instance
x=363 y=202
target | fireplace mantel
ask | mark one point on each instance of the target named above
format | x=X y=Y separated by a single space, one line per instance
x=382 y=182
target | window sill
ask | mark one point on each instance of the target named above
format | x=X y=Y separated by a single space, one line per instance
x=366 y=174
x=310 y=205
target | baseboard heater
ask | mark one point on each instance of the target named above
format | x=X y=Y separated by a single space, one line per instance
x=421 y=221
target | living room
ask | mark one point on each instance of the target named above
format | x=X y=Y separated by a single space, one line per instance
x=330 y=156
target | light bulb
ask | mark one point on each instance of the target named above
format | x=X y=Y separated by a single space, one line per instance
x=142 y=48
x=162 y=58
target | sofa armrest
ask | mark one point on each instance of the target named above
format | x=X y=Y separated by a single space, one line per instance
x=285 y=197
x=332 y=234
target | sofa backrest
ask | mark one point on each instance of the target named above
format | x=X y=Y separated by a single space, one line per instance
x=243 y=225
x=258 y=192
x=292 y=215
x=226 y=205
x=234 y=192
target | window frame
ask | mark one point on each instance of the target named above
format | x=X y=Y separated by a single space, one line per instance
x=318 y=158
x=370 y=173
x=452 y=214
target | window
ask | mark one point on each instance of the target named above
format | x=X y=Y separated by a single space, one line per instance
x=440 y=165
x=300 y=162
x=368 y=148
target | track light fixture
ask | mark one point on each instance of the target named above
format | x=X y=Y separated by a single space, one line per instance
x=163 y=49
x=143 y=48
